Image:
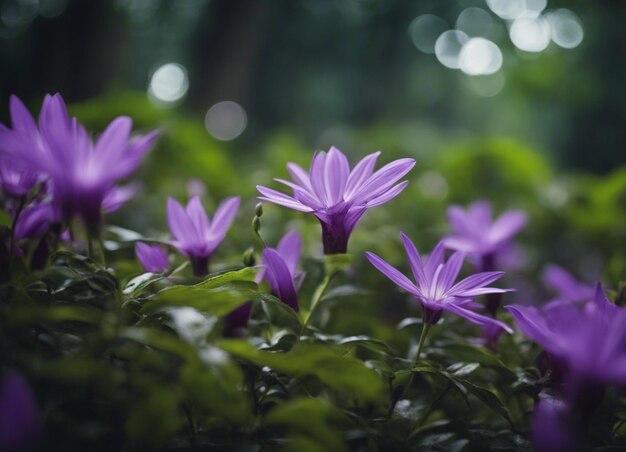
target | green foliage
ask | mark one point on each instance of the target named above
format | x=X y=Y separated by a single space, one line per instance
x=125 y=360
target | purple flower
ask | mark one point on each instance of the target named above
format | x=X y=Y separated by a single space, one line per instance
x=35 y=220
x=14 y=181
x=481 y=237
x=21 y=427
x=568 y=289
x=589 y=341
x=435 y=287
x=153 y=258
x=280 y=271
x=194 y=234
x=552 y=430
x=280 y=268
x=82 y=172
x=338 y=196
x=117 y=196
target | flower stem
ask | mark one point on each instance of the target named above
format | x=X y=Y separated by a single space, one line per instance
x=20 y=206
x=420 y=346
x=317 y=296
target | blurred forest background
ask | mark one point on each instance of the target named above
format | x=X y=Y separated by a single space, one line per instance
x=517 y=101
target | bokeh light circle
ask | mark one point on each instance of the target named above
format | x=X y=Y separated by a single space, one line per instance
x=530 y=34
x=424 y=31
x=479 y=56
x=566 y=29
x=226 y=120
x=169 y=83
x=448 y=47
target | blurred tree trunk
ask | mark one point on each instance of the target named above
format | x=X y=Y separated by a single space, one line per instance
x=226 y=52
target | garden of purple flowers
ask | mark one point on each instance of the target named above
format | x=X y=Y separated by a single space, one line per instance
x=163 y=290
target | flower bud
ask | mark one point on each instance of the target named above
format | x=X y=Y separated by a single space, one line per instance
x=256 y=224
x=248 y=258
x=258 y=210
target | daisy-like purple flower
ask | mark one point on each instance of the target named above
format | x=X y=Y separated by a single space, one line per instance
x=194 y=234
x=435 y=287
x=337 y=195
x=82 y=172
x=588 y=342
x=153 y=258
x=480 y=236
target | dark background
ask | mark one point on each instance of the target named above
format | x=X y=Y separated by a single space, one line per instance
x=328 y=71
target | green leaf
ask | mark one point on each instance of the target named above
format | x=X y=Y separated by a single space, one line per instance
x=217 y=302
x=279 y=314
x=342 y=373
x=314 y=419
x=141 y=282
x=462 y=369
x=245 y=274
x=488 y=398
x=217 y=387
x=54 y=314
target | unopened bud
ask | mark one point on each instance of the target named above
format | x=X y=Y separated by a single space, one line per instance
x=258 y=209
x=256 y=224
x=248 y=258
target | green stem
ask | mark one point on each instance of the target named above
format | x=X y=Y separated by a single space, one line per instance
x=18 y=212
x=317 y=296
x=420 y=346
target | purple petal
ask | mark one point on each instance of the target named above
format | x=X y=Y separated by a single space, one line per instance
x=34 y=221
x=289 y=248
x=480 y=214
x=451 y=270
x=21 y=119
x=317 y=176
x=475 y=281
x=531 y=322
x=153 y=258
x=388 y=195
x=300 y=176
x=382 y=180
x=459 y=221
x=507 y=225
x=434 y=260
x=279 y=278
x=117 y=196
x=461 y=244
x=224 y=216
x=21 y=425
x=197 y=215
x=361 y=172
x=114 y=139
x=282 y=199
x=393 y=274
x=302 y=195
x=336 y=171
x=415 y=261
x=474 y=317
x=179 y=223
